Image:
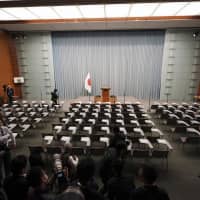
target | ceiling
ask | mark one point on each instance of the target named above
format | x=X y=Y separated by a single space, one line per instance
x=67 y=15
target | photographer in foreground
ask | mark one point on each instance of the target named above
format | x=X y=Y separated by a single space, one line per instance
x=7 y=140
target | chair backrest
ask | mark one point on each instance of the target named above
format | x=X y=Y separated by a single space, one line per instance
x=153 y=139
x=140 y=153
x=98 y=144
x=36 y=149
x=53 y=150
x=193 y=140
x=79 y=151
x=160 y=153
x=96 y=151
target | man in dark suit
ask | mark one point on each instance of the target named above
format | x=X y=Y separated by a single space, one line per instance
x=10 y=94
x=54 y=96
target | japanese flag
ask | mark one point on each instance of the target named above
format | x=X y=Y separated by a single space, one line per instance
x=88 y=83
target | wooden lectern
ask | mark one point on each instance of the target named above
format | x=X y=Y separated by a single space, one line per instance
x=105 y=94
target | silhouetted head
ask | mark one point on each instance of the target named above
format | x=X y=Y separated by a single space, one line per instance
x=148 y=174
x=18 y=165
x=35 y=159
x=85 y=170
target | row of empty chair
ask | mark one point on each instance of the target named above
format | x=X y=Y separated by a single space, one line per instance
x=22 y=116
x=183 y=118
x=90 y=127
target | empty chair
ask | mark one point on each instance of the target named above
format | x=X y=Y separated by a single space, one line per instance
x=165 y=113
x=179 y=113
x=160 y=109
x=57 y=128
x=69 y=114
x=157 y=131
x=194 y=123
x=96 y=137
x=91 y=121
x=86 y=140
x=25 y=128
x=64 y=120
x=64 y=139
x=86 y=129
x=47 y=138
x=185 y=104
x=155 y=105
x=123 y=130
x=77 y=120
x=193 y=131
x=132 y=115
x=12 y=119
x=106 y=140
x=197 y=117
x=171 y=108
x=12 y=126
x=104 y=121
x=187 y=118
x=146 y=127
x=134 y=123
x=182 y=123
x=145 y=143
x=135 y=135
x=160 y=154
x=141 y=153
x=190 y=112
x=105 y=129
x=119 y=121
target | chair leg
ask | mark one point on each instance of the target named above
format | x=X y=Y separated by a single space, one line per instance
x=167 y=163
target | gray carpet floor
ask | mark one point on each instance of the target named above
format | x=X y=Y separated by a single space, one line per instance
x=181 y=180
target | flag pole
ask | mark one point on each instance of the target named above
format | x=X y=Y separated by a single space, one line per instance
x=89 y=96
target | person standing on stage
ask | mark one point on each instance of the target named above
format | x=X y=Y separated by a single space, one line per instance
x=10 y=94
x=54 y=96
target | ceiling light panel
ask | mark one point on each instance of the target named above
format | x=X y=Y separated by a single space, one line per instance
x=142 y=9
x=92 y=11
x=117 y=10
x=20 y=13
x=192 y=8
x=43 y=12
x=6 y=16
x=169 y=9
x=71 y=12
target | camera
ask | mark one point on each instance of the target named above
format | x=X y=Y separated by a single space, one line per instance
x=58 y=165
x=61 y=175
